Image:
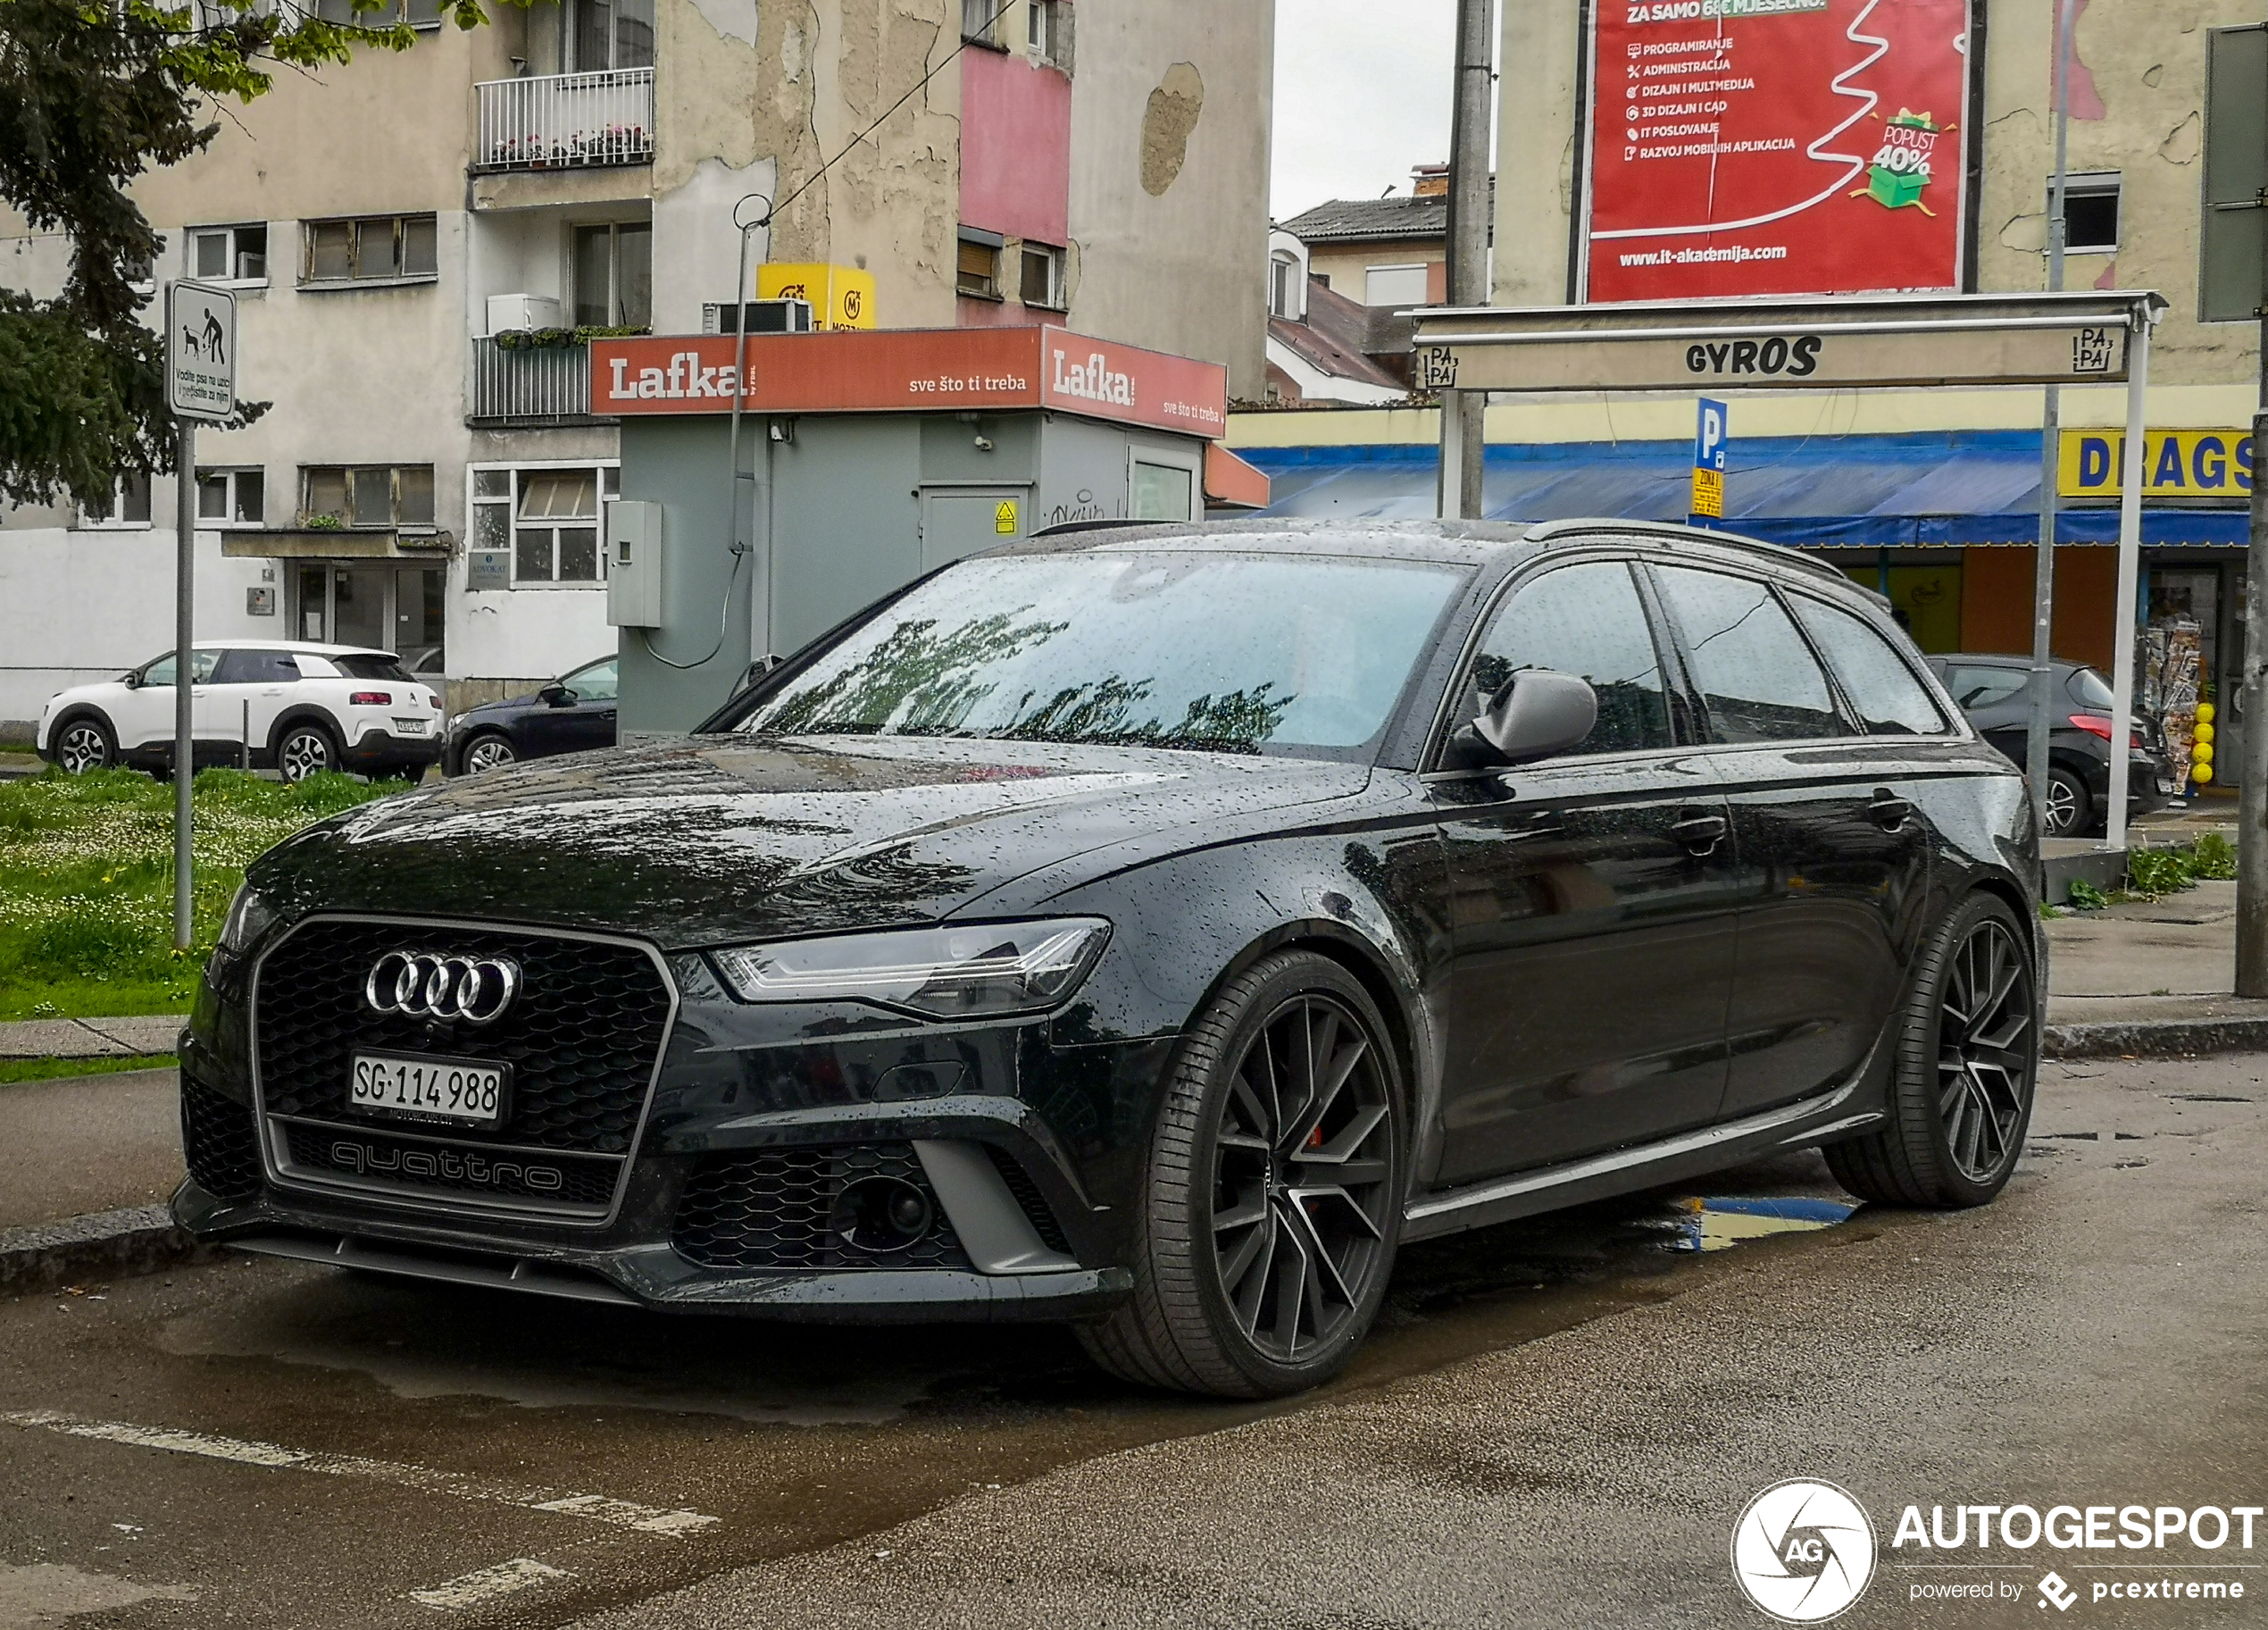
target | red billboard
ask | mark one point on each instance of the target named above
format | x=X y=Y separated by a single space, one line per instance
x=1775 y=146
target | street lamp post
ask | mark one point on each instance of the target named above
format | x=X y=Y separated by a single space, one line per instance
x=2252 y=789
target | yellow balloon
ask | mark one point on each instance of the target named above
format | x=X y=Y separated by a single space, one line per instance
x=2201 y=773
x=2204 y=730
x=2202 y=753
x=2205 y=713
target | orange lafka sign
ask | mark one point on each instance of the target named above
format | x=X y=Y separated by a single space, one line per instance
x=910 y=370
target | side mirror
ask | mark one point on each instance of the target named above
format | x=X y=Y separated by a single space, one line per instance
x=1538 y=713
x=555 y=695
x=131 y=679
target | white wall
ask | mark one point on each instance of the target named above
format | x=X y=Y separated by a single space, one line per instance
x=521 y=634
x=77 y=606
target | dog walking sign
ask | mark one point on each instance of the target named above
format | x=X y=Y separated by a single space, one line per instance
x=201 y=352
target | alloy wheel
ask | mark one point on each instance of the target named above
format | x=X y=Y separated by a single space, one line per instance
x=1301 y=1166
x=1985 y=1051
x=489 y=753
x=82 y=748
x=2063 y=805
x=305 y=753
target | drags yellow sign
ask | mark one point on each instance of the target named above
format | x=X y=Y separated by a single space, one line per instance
x=2175 y=465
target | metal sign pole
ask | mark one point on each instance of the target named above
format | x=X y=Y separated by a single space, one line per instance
x=2130 y=565
x=2043 y=588
x=2252 y=789
x=184 y=701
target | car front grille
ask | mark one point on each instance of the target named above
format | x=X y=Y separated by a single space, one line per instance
x=581 y=1041
x=778 y=1209
x=220 y=1143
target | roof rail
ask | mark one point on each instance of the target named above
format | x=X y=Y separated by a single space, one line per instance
x=1064 y=529
x=1671 y=532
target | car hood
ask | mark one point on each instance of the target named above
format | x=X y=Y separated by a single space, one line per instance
x=718 y=838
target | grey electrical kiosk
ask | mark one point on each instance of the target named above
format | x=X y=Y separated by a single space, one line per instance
x=864 y=460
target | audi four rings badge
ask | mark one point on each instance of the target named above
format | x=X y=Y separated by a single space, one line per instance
x=424 y=985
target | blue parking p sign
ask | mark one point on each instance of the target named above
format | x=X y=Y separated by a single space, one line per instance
x=1709 y=440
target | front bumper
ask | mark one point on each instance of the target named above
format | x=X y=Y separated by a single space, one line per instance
x=1027 y=1149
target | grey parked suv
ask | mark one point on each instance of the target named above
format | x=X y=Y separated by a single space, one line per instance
x=1995 y=694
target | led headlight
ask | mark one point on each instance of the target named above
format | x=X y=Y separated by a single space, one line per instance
x=980 y=970
x=249 y=916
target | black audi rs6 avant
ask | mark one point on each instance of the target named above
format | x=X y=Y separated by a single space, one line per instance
x=1151 y=929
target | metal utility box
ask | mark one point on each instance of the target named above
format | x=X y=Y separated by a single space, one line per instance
x=634 y=563
x=866 y=459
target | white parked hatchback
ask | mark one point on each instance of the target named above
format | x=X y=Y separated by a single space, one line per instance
x=283 y=704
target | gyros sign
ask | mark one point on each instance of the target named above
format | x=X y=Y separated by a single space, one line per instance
x=426 y=985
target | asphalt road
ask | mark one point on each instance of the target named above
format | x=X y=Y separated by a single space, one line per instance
x=1558 y=1424
x=69 y=1147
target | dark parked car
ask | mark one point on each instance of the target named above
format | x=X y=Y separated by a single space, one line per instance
x=571 y=714
x=1152 y=930
x=1995 y=694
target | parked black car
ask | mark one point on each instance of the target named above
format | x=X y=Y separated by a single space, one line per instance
x=1994 y=693
x=571 y=714
x=1152 y=930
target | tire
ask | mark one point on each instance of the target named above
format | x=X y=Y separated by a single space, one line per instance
x=1229 y=1296
x=305 y=749
x=2071 y=810
x=84 y=743
x=1968 y=1067
x=489 y=750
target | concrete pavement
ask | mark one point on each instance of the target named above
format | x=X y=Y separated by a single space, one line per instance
x=140 y=1036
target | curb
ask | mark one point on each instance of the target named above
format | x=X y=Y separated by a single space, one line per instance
x=2156 y=1038
x=140 y=1240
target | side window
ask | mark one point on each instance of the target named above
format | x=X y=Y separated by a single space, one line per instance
x=1890 y=701
x=1589 y=620
x=201 y=666
x=256 y=668
x=596 y=684
x=1757 y=678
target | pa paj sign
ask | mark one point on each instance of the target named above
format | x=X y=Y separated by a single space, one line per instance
x=2175 y=465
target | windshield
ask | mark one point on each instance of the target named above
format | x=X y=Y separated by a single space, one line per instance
x=1236 y=653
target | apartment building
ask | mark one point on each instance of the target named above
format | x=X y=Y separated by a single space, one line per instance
x=422 y=244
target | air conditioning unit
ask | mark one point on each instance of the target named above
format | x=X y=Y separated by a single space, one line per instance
x=515 y=313
x=764 y=317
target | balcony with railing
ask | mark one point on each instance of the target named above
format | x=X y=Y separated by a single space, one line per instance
x=567 y=121
x=528 y=384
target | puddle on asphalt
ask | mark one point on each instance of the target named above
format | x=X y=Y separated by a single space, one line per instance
x=1450 y=1298
x=1720 y=1223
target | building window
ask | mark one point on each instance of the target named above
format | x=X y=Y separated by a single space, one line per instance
x=610 y=34
x=373 y=249
x=1283 y=286
x=978 y=272
x=537 y=526
x=1397 y=286
x=1047 y=32
x=417 y=14
x=2090 y=213
x=365 y=496
x=232 y=497
x=2236 y=205
x=1043 y=279
x=130 y=502
x=614 y=275
x=229 y=254
x=141 y=276
x=981 y=21
x=1160 y=492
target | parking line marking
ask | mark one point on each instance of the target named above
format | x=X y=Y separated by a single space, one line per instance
x=244 y=1451
x=487 y=1583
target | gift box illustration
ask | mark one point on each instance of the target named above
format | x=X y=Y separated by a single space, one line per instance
x=1901 y=172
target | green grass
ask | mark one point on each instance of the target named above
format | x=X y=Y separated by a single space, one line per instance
x=55 y=1069
x=86 y=881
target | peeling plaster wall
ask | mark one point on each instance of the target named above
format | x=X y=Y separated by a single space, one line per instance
x=1171 y=105
x=2136 y=94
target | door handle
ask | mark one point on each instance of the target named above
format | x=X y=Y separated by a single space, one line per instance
x=1698 y=832
x=1888 y=810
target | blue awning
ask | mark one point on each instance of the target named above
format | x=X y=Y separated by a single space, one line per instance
x=1939 y=490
